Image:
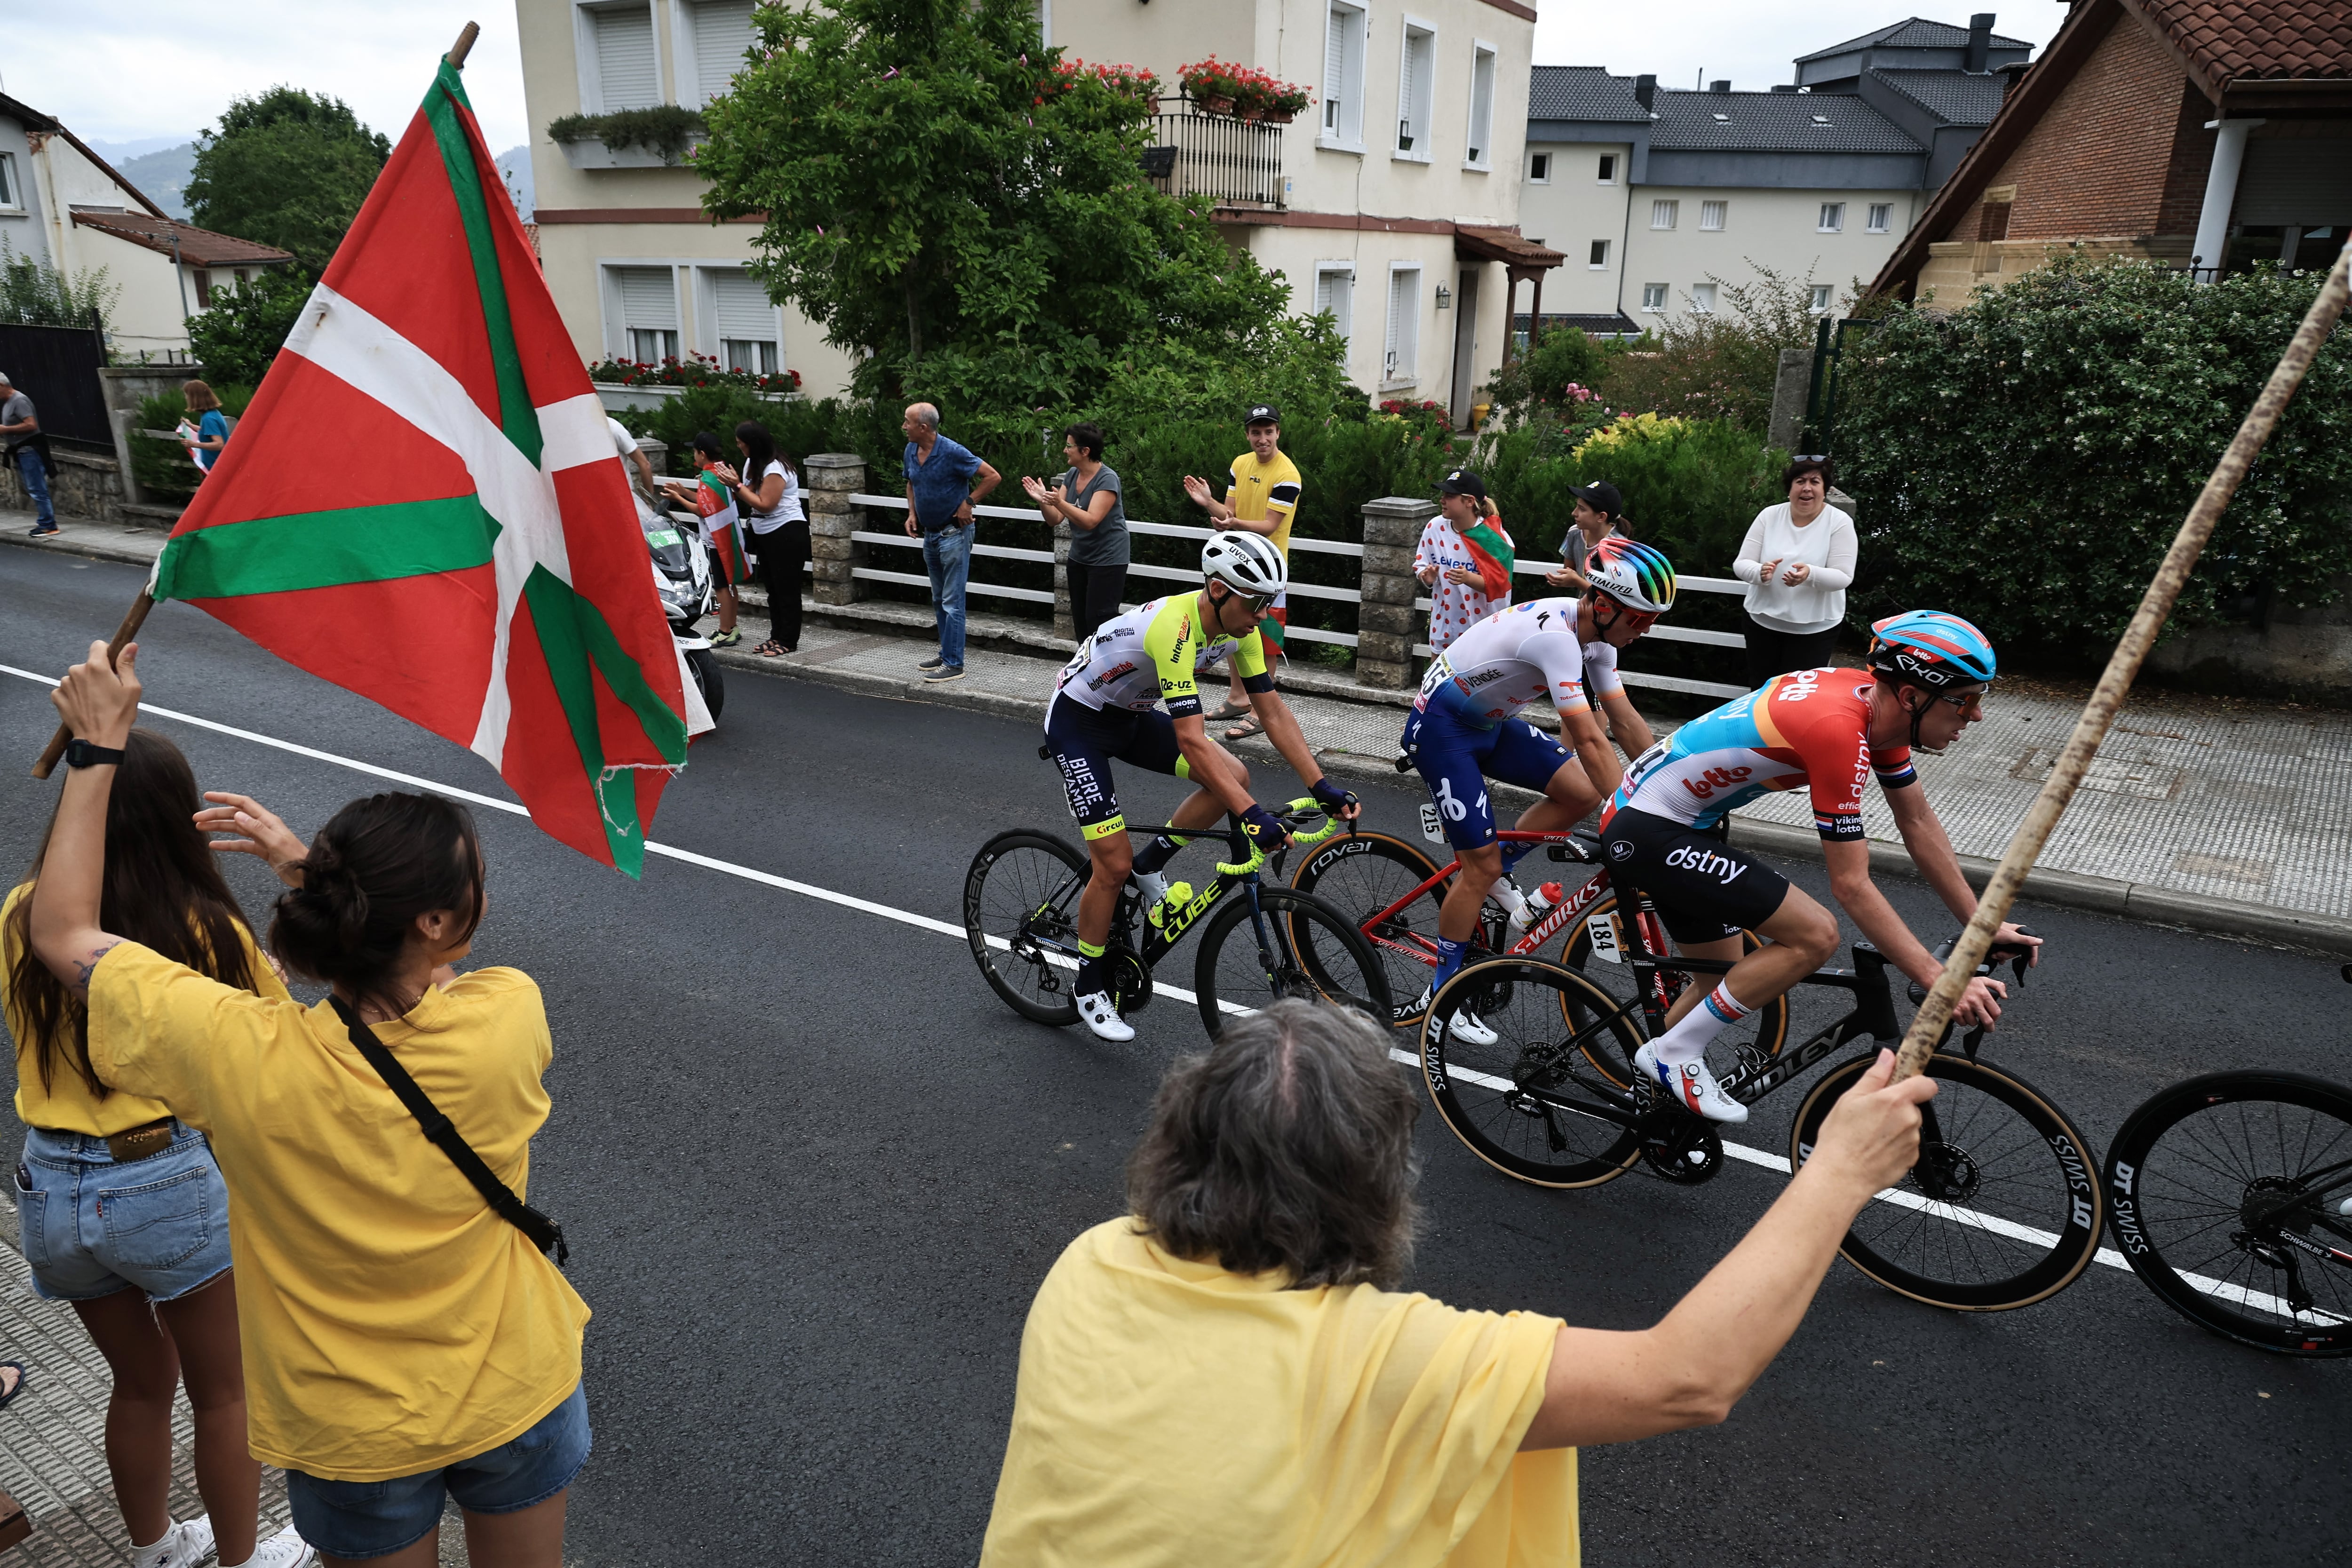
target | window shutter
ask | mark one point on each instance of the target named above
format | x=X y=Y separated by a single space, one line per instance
x=1337 y=88
x=1397 y=361
x=626 y=75
x=1408 y=104
x=741 y=307
x=722 y=31
x=648 y=297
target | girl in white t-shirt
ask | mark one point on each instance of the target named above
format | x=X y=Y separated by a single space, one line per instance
x=768 y=492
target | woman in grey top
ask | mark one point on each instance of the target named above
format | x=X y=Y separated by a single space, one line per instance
x=1087 y=497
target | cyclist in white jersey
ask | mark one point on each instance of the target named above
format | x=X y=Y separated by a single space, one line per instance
x=1465 y=730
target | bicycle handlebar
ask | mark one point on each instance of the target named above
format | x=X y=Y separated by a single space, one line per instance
x=1297 y=810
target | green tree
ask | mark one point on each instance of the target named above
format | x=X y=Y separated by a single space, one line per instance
x=286 y=169
x=245 y=325
x=35 y=294
x=1721 y=363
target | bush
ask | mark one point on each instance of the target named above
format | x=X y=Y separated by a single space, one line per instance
x=2026 y=460
x=1559 y=370
x=665 y=130
x=163 y=466
x=1691 y=486
x=241 y=332
x=35 y=294
x=1722 y=364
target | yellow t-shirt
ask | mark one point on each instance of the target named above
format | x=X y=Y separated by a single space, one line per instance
x=1263 y=490
x=1174 y=1413
x=67 y=1105
x=391 y=1322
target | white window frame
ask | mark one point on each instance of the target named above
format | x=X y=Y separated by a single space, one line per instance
x=1718 y=210
x=1478 y=144
x=1423 y=129
x=1667 y=208
x=1347 y=135
x=1346 y=320
x=1702 y=298
x=1832 y=219
x=1602 y=265
x=1604 y=172
x=12 y=194
x=691 y=90
x=1540 y=168
x=708 y=338
x=1407 y=354
x=616 y=318
x=583 y=50
x=1045 y=21
x=1823 y=295
x=1882 y=218
x=1655 y=297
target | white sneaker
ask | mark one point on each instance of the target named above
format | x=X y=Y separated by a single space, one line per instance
x=183 y=1545
x=1103 y=1018
x=283 y=1550
x=1691 y=1084
x=1464 y=1025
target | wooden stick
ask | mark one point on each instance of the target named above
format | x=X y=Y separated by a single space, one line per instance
x=123 y=633
x=464 y=46
x=2025 y=846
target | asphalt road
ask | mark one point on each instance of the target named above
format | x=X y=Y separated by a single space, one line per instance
x=813 y=1172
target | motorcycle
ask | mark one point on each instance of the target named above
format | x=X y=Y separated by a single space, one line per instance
x=682 y=576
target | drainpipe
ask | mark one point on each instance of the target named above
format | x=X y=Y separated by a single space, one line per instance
x=180 y=273
x=2220 y=194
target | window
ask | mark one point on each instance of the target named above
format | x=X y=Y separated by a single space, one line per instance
x=1820 y=305
x=1343 y=75
x=1400 y=361
x=1703 y=299
x=1599 y=255
x=1482 y=106
x=1832 y=218
x=1045 y=21
x=1663 y=214
x=8 y=196
x=1607 y=169
x=1540 y=169
x=623 y=70
x=203 y=282
x=646 y=298
x=1335 y=295
x=1416 y=77
x=1882 y=218
x=714 y=34
x=1711 y=214
x=743 y=322
x=1992 y=221
x=1653 y=298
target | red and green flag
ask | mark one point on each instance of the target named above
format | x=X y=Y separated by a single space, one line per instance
x=423 y=505
x=1491 y=553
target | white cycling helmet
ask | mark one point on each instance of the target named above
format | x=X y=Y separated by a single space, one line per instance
x=1246 y=563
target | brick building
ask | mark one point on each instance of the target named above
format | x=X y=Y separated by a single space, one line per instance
x=2206 y=133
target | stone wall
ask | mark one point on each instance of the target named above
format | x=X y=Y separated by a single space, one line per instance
x=2303 y=656
x=80 y=485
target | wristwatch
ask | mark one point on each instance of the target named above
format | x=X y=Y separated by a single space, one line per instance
x=81 y=754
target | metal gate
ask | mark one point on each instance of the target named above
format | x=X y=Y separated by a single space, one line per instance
x=1821 y=397
x=57 y=367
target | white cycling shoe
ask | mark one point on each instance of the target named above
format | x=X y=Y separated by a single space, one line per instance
x=1102 y=1017
x=1464 y=1025
x=1692 y=1086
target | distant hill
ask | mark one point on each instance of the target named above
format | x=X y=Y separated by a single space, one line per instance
x=514 y=168
x=161 y=172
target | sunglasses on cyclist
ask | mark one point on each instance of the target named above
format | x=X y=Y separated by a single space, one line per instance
x=1256 y=604
x=1969 y=702
x=1639 y=620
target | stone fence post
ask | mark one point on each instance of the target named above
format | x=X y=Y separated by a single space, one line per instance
x=123 y=387
x=1386 y=620
x=1064 y=624
x=832 y=478
x=1792 y=387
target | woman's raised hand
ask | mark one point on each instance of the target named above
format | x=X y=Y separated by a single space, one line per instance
x=262 y=833
x=100 y=697
x=1035 y=488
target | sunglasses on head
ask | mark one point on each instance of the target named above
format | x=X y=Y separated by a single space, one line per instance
x=1809 y=456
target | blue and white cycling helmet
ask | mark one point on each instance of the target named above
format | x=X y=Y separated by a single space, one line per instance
x=1933 y=649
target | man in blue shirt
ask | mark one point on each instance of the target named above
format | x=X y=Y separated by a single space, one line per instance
x=941 y=492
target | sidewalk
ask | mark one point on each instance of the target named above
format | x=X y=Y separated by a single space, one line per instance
x=2227 y=816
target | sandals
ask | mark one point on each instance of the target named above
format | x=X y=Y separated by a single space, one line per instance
x=771 y=648
x=1245 y=729
x=1230 y=711
x=17 y=1387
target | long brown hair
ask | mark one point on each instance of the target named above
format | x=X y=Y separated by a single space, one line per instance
x=377 y=865
x=162 y=889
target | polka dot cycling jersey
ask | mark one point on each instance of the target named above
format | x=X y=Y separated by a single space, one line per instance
x=1808 y=728
x=1509 y=660
x=1157 y=653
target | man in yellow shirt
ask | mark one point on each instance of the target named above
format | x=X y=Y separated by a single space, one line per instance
x=1262 y=497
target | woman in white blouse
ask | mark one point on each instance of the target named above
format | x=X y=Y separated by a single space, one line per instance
x=1798 y=562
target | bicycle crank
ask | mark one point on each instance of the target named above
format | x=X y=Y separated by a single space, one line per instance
x=1130 y=982
x=1680 y=1147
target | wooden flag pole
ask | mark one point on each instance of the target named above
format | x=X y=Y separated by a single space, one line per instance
x=137 y=615
x=2025 y=846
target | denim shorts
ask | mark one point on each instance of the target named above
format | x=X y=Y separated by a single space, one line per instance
x=376 y=1519
x=92 y=1227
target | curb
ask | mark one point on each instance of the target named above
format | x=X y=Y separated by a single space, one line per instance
x=91 y=549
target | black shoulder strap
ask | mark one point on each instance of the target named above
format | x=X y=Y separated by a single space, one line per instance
x=544 y=1233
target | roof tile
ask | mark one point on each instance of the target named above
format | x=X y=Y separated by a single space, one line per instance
x=198 y=246
x=1583 y=92
x=1773 y=122
x=2276 y=39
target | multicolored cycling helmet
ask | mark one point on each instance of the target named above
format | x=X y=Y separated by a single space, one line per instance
x=1246 y=563
x=1931 y=648
x=1637 y=575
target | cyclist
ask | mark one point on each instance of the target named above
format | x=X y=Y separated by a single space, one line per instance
x=1464 y=730
x=1831 y=730
x=1106 y=704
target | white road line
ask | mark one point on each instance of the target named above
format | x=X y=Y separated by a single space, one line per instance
x=1989 y=1222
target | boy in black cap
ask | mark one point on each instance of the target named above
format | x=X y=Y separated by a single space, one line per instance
x=1599 y=512
x=1262 y=497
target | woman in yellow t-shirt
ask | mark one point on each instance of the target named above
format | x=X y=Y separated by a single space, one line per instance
x=120 y=1206
x=404 y=1344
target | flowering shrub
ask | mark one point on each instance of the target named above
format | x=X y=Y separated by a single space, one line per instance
x=1253 y=92
x=695 y=370
x=1399 y=407
x=1128 y=82
x=1628 y=427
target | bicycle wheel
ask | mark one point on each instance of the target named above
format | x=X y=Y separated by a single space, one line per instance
x=1761 y=1035
x=1246 y=964
x=1530 y=1104
x=1363 y=874
x=1021 y=914
x=2002 y=1210
x=2190 y=1179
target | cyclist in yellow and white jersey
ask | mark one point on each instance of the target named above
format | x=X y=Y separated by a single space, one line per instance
x=1106 y=703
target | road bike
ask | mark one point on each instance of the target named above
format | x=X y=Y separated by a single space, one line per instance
x=2230 y=1197
x=2002 y=1210
x=1020 y=914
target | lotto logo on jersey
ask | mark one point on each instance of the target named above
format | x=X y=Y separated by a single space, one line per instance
x=1706 y=784
x=1800 y=686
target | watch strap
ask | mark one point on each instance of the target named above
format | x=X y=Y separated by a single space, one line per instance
x=81 y=754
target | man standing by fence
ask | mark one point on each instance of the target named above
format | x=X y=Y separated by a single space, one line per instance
x=1263 y=497
x=941 y=493
x=28 y=452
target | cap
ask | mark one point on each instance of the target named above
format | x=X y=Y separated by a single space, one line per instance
x=1463 y=482
x=1601 y=496
x=1263 y=414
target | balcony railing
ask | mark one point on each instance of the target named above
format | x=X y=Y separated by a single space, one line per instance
x=1233 y=162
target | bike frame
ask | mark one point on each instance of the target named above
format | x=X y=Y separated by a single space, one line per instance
x=1160 y=940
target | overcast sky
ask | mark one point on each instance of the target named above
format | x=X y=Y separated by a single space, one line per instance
x=131 y=71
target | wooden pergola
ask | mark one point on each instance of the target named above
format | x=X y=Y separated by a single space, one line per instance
x=1524 y=261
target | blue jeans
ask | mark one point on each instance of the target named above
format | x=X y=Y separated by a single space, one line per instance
x=91 y=1227
x=947 y=556
x=36 y=485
